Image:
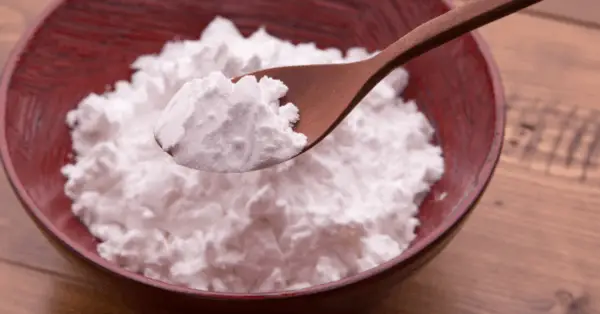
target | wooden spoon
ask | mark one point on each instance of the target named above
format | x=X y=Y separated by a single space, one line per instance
x=326 y=93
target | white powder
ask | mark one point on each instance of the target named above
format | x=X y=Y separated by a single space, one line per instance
x=345 y=206
x=214 y=125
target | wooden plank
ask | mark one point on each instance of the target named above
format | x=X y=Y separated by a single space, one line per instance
x=582 y=12
x=26 y=291
x=551 y=80
x=29 y=292
x=12 y=24
x=561 y=60
x=585 y=11
x=530 y=247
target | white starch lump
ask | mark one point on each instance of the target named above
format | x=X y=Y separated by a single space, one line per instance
x=215 y=125
x=347 y=205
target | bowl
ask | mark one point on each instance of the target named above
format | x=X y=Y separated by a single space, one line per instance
x=80 y=46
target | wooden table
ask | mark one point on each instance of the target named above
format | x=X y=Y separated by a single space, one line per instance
x=532 y=246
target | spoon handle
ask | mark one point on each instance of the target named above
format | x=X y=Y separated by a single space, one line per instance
x=442 y=29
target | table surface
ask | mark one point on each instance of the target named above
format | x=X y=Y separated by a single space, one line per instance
x=533 y=244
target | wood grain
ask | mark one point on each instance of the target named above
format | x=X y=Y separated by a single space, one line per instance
x=581 y=12
x=530 y=247
x=28 y=291
x=585 y=12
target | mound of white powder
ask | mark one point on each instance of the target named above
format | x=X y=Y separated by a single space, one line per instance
x=215 y=125
x=345 y=206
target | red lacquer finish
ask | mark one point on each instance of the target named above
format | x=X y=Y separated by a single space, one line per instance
x=80 y=46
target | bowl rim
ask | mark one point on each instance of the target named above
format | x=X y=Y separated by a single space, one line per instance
x=460 y=210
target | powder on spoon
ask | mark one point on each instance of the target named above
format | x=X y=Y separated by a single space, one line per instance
x=215 y=125
x=345 y=206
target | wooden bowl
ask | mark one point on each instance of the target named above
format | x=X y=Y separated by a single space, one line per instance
x=80 y=46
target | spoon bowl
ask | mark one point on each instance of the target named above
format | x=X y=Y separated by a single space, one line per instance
x=319 y=91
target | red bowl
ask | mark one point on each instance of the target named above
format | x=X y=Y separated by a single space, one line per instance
x=80 y=46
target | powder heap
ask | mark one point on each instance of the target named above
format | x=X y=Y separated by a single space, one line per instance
x=215 y=125
x=345 y=206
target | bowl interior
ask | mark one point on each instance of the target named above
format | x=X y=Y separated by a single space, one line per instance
x=86 y=44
